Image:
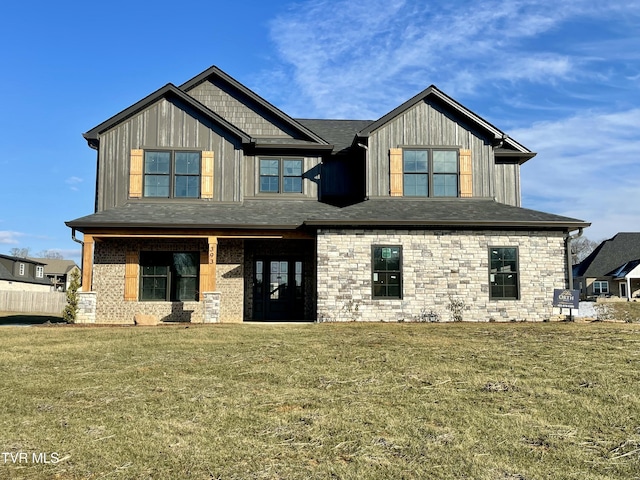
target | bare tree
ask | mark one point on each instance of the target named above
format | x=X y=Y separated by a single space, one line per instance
x=581 y=247
x=20 y=252
x=53 y=254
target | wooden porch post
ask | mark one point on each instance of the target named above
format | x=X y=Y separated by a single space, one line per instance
x=208 y=262
x=87 y=263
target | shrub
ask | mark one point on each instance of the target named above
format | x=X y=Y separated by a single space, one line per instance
x=71 y=309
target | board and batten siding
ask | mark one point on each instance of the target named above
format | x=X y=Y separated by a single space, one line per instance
x=233 y=110
x=424 y=125
x=508 y=183
x=165 y=125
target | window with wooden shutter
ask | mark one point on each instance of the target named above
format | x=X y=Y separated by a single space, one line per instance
x=466 y=174
x=131 y=271
x=430 y=172
x=395 y=172
x=207 y=175
x=135 y=174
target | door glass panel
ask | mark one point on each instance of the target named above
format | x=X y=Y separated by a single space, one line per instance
x=298 y=280
x=278 y=283
x=258 y=289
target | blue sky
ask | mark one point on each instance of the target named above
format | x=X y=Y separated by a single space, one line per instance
x=561 y=77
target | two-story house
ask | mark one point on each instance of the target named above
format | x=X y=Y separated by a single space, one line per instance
x=214 y=205
x=22 y=274
x=59 y=272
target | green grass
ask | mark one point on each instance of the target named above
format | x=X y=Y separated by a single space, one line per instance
x=349 y=401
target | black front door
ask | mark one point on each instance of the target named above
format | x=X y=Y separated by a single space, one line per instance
x=278 y=294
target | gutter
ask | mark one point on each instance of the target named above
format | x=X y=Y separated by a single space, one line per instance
x=73 y=237
x=488 y=224
x=568 y=241
x=366 y=169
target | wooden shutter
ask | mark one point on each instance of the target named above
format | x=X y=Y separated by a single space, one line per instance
x=135 y=174
x=395 y=172
x=131 y=270
x=206 y=190
x=466 y=174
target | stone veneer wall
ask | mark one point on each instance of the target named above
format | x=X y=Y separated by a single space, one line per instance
x=87 y=302
x=437 y=266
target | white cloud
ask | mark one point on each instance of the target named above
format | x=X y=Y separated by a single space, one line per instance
x=72 y=254
x=72 y=182
x=361 y=59
x=549 y=67
x=9 y=238
x=587 y=167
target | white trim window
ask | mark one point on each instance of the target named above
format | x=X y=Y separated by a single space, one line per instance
x=600 y=287
x=39 y=271
x=21 y=269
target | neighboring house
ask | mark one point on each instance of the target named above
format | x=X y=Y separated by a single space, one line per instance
x=58 y=272
x=612 y=269
x=214 y=205
x=22 y=274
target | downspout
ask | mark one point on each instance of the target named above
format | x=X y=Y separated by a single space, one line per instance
x=366 y=170
x=569 y=259
x=73 y=237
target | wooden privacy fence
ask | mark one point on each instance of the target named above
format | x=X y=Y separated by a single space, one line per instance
x=32 y=302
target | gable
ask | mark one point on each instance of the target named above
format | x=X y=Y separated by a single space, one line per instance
x=610 y=255
x=457 y=113
x=55 y=266
x=244 y=108
x=170 y=122
x=488 y=161
x=168 y=93
x=240 y=111
x=164 y=122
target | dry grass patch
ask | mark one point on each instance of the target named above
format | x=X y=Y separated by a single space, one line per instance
x=481 y=401
x=628 y=312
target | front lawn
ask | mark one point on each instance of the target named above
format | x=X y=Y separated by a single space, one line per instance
x=349 y=401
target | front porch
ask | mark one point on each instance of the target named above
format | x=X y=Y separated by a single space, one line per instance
x=208 y=278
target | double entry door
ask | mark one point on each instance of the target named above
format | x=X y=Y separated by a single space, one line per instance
x=278 y=289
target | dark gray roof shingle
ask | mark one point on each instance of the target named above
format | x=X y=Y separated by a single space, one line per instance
x=291 y=214
x=7 y=275
x=339 y=133
x=610 y=255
